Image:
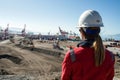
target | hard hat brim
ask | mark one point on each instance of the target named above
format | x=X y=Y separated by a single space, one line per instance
x=90 y=26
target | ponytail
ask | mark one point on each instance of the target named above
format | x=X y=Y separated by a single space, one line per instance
x=99 y=51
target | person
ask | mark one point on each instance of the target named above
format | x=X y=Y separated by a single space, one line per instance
x=89 y=60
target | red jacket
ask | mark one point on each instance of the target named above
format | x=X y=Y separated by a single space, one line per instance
x=83 y=68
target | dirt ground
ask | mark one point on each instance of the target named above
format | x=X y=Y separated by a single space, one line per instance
x=27 y=64
x=21 y=63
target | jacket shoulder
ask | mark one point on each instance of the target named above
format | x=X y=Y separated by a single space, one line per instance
x=74 y=53
x=70 y=55
x=112 y=56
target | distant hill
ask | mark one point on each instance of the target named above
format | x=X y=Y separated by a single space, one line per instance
x=116 y=37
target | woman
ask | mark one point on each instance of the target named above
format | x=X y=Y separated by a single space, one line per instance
x=89 y=60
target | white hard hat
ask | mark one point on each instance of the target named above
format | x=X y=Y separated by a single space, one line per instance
x=90 y=18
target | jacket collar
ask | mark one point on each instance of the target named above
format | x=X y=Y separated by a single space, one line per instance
x=86 y=43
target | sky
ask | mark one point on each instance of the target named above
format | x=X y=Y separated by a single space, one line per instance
x=47 y=15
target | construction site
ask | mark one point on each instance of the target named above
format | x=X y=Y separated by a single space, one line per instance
x=39 y=57
x=41 y=60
